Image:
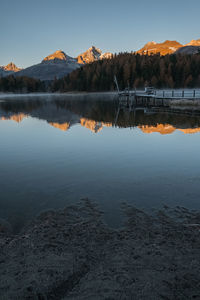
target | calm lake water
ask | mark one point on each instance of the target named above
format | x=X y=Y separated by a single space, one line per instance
x=56 y=150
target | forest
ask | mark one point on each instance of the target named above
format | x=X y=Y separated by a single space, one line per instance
x=133 y=71
x=21 y=85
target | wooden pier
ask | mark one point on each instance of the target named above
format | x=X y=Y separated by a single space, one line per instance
x=154 y=100
x=157 y=98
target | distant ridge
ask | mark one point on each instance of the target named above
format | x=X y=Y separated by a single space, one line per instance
x=55 y=65
x=170 y=47
x=167 y=47
x=59 y=64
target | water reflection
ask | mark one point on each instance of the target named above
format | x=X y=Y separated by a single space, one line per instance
x=54 y=151
x=97 y=114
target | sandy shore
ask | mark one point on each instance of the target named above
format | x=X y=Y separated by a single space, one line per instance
x=72 y=254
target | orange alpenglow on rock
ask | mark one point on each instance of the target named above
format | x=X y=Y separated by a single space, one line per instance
x=11 y=67
x=190 y=130
x=59 y=54
x=160 y=128
x=93 y=125
x=194 y=43
x=167 y=129
x=167 y=47
x=17 y=118
x=62 y=126
x=91 y=55
x=89 y=124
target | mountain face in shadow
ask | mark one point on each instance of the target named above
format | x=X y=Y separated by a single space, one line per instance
x=59 y=64
x=56 y=65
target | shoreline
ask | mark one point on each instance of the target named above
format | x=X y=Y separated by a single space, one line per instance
x=73 y=254
x=175 y=103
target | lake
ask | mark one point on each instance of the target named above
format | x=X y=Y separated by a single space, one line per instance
x=55 y=150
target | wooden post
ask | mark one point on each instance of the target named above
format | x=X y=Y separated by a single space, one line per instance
x=182 y=94
x=172 y=94
x=163 y=94
x=194 y=93
x=115 y=80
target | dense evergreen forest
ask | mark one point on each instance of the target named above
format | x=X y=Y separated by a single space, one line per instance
x=21 y=85
x=135 y=71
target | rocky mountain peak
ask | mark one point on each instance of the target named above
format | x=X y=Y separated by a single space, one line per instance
x=95 y=50
x=11 y=67
x=90 y=55
x=58 y=56
x=150 y=44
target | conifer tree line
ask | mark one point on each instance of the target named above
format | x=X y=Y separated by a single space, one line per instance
x=135 y=71
x=21 y=84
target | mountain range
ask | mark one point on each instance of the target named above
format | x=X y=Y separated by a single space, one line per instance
x=56 y=65
x=59 y=64
x=96 y=126
x=170 y=47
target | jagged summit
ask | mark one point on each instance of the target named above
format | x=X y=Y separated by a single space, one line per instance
x=95 y=49
x=11 y=67
x=150 y=44
x=89 y=55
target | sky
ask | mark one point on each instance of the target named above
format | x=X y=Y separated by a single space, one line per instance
x=31 y=30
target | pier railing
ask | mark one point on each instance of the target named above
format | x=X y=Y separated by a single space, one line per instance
x=164 y=94
x=177 y=94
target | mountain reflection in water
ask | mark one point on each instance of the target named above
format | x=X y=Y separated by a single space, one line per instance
x=94 y=115
x=55 y=151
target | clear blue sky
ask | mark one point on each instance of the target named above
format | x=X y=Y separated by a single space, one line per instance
x=32 y=29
